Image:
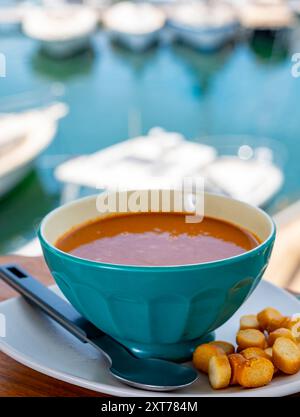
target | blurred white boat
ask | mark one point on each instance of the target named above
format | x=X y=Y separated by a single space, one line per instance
x=135 y=25
x=254 y=180
x=23 y=136
x=163 y=159
x=159 y=159
x=99 y=6
x=12 y=13
x=265 y=14
x=62 y=30
x=295 y=6
x=204 y=25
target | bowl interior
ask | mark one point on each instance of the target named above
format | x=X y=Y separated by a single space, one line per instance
x=64 y=218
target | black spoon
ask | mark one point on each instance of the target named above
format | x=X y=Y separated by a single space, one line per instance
x=148 y=374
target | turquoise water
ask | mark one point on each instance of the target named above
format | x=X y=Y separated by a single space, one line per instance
x=112 y=93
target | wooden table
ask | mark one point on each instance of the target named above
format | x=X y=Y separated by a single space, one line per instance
x=17 y=380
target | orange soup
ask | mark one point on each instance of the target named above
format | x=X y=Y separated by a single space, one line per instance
x=156 y=239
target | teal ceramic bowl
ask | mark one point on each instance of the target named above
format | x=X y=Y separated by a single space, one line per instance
x=162 y=312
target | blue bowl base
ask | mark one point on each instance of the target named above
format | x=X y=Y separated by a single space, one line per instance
x=177 y=352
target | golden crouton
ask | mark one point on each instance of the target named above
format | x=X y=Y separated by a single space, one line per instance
x=293 y=324
x=203 y=353
x=226 y=346
x=219 y=372
x=289 y=321
x=249 y=322
x=286 y=322
x=281 y=332
x=269 y=352
x=254 y=352
x=295 y=329
x=270 y=319
x=236 y=360
x=250 y=338
x=255 y=372
x=286 y=355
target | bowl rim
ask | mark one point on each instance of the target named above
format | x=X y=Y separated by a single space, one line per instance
x=150 y=268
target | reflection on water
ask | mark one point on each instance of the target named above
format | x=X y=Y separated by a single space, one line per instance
x=22 y=210
x=136 y=62
x=203 y=65
x=61 y=70
x=270 y=48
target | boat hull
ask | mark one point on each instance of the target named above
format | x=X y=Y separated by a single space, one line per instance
x=135 y=42
x=204 y=38
x=65 y=48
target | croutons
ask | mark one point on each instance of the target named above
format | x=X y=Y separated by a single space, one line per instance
x=227 y=347
x=281 y=332
x=219 y=372
x=254 y=352
x=203 y=353
x=270 y=319
x=266 y=344
x=250 y=338
x=249 y=322
x=255 y=372
x=286 y=355
x=236 y=360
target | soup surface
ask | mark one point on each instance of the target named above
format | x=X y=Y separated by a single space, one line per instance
x=156 y=239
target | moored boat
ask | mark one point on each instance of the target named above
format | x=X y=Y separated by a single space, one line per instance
x=12 y=13
x=157 y=159
x=204 y=25
x=163 y=159
x=23 y=136
x=134 y=25
x=265 y=15
x=294 y=5
x=61 y=30
x=254 y=180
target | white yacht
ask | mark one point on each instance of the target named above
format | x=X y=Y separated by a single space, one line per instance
x=99 y=6
x=61 y=30
x=12 y=13
x=159 y=158
x=265 y=14
x=255 y=179
x=162 y=159
x=23 y=136
x=295 y=6
x=135 y=25
x=205 y=25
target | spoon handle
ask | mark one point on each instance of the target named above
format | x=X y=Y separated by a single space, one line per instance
x=50 y=303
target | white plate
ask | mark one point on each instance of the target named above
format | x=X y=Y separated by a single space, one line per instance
x=36 y=341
